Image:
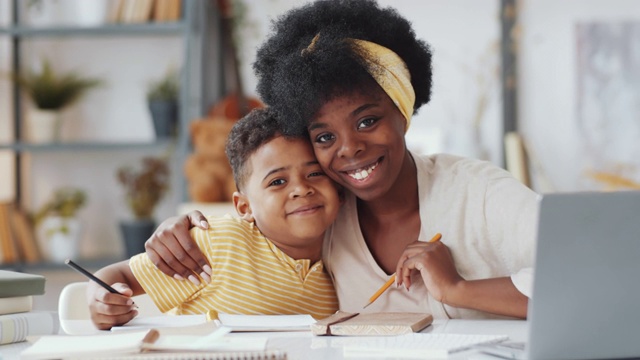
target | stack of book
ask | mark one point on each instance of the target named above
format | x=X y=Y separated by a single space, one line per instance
x=17 y=317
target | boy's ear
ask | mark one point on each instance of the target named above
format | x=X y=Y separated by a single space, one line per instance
x=242 y=205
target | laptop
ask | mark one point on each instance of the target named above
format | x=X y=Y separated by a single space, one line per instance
x=586 y=290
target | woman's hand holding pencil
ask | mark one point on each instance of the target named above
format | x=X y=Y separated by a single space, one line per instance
x=393 y=278
x=434 y=262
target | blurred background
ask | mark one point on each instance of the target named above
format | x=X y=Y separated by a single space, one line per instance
x=559 y=79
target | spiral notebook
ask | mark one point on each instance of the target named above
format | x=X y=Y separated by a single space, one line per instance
x=151 y=344
x=248 y=355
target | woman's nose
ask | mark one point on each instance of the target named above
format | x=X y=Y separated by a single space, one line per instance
x=350 y=147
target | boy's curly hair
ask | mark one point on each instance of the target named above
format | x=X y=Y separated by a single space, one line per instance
x=247 y=135
x=296 y=79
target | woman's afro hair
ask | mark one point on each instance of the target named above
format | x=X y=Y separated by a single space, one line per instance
x=297 y=79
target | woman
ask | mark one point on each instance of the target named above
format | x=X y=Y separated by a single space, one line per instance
x=350 y=74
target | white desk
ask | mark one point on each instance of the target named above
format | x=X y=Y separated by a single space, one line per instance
x=304 y=346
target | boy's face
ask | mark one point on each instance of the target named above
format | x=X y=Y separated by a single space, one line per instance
x=287 y=194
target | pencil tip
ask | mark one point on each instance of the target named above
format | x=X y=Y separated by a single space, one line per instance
x=364 y=307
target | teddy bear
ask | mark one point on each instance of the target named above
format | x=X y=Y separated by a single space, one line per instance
x=207 y=169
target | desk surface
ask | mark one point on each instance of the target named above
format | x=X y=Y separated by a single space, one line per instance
x=303 y=345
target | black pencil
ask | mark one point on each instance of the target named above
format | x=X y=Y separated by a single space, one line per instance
x=84 y=272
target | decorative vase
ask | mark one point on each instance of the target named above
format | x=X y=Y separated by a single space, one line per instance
x=90 y=13
x=43 y=126
x=60 y=238
x=165 y=117
x=43 y=13
x=134 y=234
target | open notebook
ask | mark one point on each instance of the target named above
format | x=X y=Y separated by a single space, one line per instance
x=150 y=344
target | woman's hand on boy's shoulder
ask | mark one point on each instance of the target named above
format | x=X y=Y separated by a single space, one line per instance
x=172 y=249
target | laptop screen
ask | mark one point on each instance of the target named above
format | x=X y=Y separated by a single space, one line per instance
x=586 y=289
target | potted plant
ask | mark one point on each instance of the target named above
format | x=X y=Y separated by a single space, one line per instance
x=144 y=188
x=59 y=228
x=51 y=93
x=162 y=98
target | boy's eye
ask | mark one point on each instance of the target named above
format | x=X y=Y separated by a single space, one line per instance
x=368 y=122
x=317 y=173
x=324 y=138
x=277 y=182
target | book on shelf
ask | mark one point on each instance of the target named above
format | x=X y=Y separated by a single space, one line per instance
x=142 y=11
x=516 y=157
x=154 y=343
x=8 y=248
x=389 y=323
x=127 y=11
x=24 y=236
x=13 y=283
x=17 y=239
x=16 y=327
x=16 y=304
x=115 y=11
x=167 y=10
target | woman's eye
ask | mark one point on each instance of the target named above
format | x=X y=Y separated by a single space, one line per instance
x=277 y=182
x=324 y=138
x=368 y=122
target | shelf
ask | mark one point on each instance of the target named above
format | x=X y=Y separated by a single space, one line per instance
x=153 y=29
x=48 y=265
x=88 y=146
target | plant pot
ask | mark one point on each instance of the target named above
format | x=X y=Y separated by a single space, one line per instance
x=60 y=238
x=134 y=234
x=165 y=117
x=43 y=126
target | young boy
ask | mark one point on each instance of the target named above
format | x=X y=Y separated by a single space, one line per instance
x=267 y=261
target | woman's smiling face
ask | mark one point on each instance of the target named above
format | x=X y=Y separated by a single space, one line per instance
x=359 y=142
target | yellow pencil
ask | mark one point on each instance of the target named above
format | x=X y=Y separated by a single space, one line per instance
x=386 y=285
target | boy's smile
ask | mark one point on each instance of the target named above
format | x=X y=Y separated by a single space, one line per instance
x=289 y=197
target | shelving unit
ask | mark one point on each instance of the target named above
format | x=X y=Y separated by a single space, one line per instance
x=199 y=86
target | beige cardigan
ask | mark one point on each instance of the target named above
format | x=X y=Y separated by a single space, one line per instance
x=486 y=217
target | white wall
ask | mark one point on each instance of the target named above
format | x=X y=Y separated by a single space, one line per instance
x=6 y=130
x=464 y=35
x=548 y=86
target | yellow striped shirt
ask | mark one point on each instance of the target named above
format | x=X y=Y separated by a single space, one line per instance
x=250 y=276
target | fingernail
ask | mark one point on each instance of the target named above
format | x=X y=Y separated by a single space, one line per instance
x=129 y=302
x=207 y=269
x=205 y=277
x=135 y=313
x=194 y=280
x=204 y=224
x=178 y=277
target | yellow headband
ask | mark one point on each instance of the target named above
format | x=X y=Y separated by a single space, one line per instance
x=387 y=69
x=391 y=73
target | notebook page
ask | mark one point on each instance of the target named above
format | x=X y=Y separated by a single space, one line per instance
x=58 y=346
x=267 y=322
x=415 y=346
x=162 y=321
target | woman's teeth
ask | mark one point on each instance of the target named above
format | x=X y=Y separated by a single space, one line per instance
x=362 y=174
